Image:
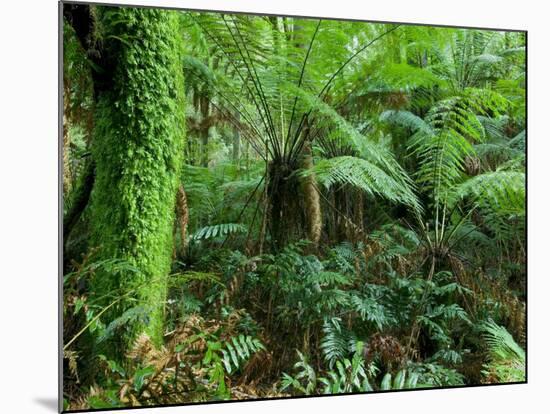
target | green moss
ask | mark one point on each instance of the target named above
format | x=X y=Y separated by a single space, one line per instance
x=138 y=146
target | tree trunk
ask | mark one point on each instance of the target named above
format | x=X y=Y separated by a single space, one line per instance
x=80 y=197
x=137 y=148
x=67 y=177
x=311 y=199
x=285 y=208
x=183 y=215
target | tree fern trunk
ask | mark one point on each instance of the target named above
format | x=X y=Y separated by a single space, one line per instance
x=285 y=209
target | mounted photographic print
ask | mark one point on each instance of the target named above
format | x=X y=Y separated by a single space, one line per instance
x=260 y=206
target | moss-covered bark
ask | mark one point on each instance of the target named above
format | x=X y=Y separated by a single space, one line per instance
x=137 y=148
x=312 y=202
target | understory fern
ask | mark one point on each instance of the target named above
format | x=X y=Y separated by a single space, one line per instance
x=347 y=375
x=238 y=350
x=403 y=380
x=506 y=358
x=337 y=341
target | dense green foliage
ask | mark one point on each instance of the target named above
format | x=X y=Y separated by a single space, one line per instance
x=345 y=214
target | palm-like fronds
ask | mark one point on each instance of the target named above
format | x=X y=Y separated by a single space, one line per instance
x=406 y=119
x=442 y=149
x=365 y=175
x=500 y=195
x=470 y=58
x=269 y=62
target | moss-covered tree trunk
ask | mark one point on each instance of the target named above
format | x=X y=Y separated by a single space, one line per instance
x=312 y=202
x=137 y=148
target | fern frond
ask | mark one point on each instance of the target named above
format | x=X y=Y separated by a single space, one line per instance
x=403 y=380
x=506 y=357
x=238 y=350
x=406 y=119
x=210 y=232
x=365 y=175
x=336 y=341
x=455 y=126
x=500 y=195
